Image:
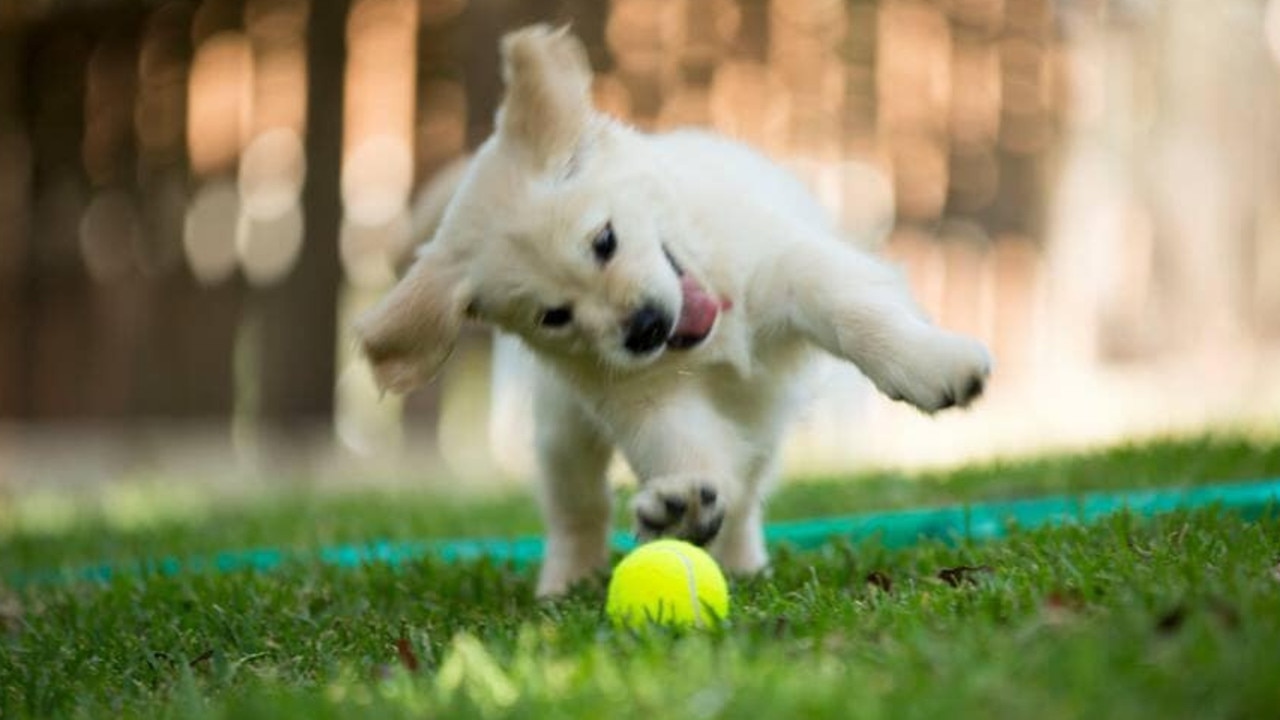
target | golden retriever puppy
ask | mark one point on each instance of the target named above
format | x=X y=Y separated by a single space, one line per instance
x=673 y=288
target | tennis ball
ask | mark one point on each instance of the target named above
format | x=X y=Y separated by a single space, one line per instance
x=667 y=582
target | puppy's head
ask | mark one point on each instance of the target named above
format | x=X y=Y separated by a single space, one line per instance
x=560 y=232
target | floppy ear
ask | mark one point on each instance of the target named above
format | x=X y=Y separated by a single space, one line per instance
x=547 y=106
x=409 y=334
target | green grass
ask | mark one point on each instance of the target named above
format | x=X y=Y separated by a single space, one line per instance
x=1178 y=617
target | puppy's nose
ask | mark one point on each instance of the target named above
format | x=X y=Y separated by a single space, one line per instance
x=647 y=328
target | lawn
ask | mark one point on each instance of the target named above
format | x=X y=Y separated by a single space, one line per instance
x=1176 y=617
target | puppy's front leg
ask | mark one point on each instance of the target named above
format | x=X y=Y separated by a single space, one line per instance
x=859 y=308
x=573 y=457
x=689 y=461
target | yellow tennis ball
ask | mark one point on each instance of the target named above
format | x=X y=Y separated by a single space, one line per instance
x=668 y=582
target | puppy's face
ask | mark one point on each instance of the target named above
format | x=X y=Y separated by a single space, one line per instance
x=557 y=234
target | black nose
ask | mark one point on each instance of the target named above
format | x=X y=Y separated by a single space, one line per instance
x=647 y=328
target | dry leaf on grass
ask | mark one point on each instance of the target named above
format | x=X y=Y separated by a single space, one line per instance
x=1171 y=620
x=963 y=574
x=408 y=658
x=201 y=662
x=880 y=580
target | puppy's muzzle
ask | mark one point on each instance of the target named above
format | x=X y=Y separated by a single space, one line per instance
x=647 y=329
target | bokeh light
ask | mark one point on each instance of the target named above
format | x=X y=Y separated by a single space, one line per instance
x=220 y=102
x=271 y=172
x=369 y=252
x=209 y=232
x=160 y=113
x=268 y=246
x=376 y=178
x=108 y=133
x=108 y=235
x=378 y=163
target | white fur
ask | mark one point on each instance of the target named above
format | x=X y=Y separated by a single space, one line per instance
x=699 y=427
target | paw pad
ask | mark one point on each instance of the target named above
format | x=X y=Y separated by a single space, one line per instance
x=685 y=508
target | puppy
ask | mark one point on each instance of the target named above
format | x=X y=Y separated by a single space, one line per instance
x=673 y=288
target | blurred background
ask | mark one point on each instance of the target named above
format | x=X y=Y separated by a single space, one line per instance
x=197 y=196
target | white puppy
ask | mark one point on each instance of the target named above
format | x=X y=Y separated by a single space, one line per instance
x=672 y=287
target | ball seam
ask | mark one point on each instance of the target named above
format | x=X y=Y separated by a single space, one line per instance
x=690 y=577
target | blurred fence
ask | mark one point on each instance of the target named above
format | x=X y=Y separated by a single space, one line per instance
x=196 y=196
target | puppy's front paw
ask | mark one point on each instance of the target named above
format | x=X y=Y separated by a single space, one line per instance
x=941 y=370
x=686 y=507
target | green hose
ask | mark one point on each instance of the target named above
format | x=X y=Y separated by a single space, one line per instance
x=981 y=521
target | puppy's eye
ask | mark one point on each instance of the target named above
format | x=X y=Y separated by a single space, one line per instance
x=604 y=244
x=556 y=317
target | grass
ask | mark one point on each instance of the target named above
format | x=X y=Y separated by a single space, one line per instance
x=1177 y=617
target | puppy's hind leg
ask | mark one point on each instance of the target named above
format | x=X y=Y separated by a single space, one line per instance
x=859 y=308
x=572 y=457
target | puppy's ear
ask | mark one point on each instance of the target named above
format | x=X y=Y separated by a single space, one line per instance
x=409 y=334
x=547 y=107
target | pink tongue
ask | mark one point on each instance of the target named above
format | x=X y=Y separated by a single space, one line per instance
x=698 y=311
